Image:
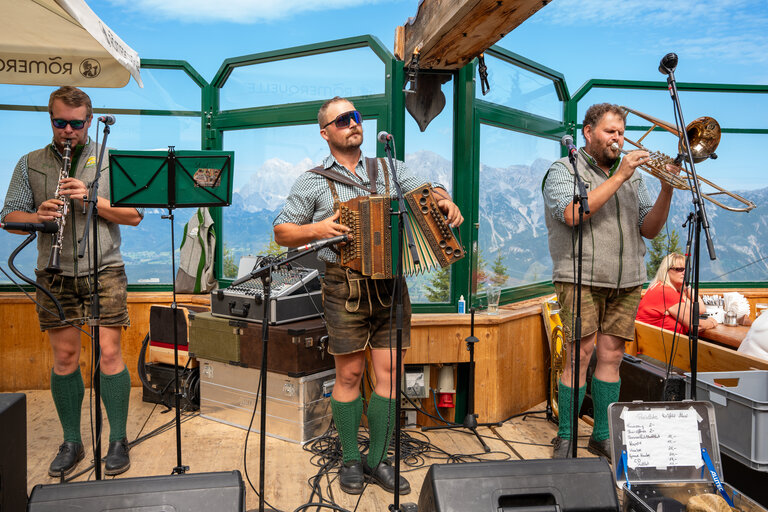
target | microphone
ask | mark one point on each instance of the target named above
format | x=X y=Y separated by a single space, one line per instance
x=108 y=119
x=319 y=244
x=43 y=227
x=567 y=141
x=384 y=137
x=668 y=64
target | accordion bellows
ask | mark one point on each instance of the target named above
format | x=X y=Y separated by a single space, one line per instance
x=372 y=250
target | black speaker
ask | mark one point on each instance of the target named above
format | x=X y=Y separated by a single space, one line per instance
x=567 y=485
x=191 y=492
x=13 y=452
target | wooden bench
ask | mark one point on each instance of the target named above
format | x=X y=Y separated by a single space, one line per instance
x=656 y=342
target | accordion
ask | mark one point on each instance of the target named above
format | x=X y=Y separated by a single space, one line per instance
x=373 y=250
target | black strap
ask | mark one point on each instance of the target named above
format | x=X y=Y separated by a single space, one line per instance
x=337 y=176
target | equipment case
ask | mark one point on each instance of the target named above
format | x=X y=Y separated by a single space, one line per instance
x=660 y=452
x=295 y=348
x=298 y=408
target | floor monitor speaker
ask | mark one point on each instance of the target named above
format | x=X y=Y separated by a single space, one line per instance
x=567 y=485
x=222 y=492
x=13 y=452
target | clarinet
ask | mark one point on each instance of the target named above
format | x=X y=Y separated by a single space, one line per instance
x=54 y=266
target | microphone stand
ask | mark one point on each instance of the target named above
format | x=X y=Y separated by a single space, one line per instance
x=700 y=218
x=92 y=214
x=265 y=274
x=403 y=227
x=581 y=198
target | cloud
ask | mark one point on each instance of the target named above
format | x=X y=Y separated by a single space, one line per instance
x=235 y=11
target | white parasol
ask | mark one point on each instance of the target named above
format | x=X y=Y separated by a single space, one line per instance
x=62 y=42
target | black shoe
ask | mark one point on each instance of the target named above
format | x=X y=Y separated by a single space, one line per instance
x=351 y=477
x=67 y=458
x=600 y=448
x=384 y=476
x=117 y=460
x=562 y=448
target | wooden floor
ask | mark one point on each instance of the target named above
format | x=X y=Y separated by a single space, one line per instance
x=212 y=446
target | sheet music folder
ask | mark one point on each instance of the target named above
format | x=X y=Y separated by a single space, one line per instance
x=171 y=178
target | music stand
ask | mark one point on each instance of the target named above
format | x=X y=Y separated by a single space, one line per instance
x=171 y=179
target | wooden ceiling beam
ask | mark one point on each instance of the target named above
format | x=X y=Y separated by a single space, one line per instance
x=448 y=34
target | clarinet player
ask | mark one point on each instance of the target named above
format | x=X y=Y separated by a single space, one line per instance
x=50 y=184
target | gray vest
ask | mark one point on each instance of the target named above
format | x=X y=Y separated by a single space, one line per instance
x=44 y=166
x=613 y=249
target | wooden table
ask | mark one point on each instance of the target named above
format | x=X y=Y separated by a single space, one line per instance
x=728 y=335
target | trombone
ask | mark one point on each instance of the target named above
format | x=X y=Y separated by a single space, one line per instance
x=704 y=136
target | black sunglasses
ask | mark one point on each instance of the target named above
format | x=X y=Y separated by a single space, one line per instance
x=677 y=269
x=76 y=124
x=343 y=120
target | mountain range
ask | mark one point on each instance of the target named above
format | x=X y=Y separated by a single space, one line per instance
x=511 y=223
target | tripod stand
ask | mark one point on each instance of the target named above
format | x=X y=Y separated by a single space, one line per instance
x=470 y=420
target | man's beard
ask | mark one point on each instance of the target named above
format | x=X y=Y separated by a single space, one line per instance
x=605 y=158
x=348 y=143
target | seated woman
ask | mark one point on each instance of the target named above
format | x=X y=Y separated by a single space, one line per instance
x=663 y=305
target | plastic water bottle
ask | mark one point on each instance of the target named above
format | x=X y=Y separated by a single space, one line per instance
x=462 y=305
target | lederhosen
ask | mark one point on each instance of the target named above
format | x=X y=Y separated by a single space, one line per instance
x=361 y=289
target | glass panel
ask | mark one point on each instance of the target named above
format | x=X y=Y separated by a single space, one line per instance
x=518 y=88
x=164 y=89
x=280 y=82
x=429 y=154
x=267 y=163
x=512 y=236
x=142 y=246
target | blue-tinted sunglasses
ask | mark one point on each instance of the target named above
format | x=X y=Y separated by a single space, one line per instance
x=76 y=124
x=343 y=120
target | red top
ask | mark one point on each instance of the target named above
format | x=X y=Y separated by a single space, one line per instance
x=654 y=304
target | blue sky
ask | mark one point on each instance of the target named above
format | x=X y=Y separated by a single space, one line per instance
x=718 y=41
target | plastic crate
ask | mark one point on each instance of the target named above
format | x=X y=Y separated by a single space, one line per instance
x=741 y=411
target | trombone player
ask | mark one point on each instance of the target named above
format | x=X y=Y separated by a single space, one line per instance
x=621 y=215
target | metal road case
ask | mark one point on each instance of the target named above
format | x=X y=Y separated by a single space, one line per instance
x=298 y=408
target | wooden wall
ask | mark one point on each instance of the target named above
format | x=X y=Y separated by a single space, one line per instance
x=511 y=356
x=25 y=354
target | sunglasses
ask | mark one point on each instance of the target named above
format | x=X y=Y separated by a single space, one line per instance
x=343 y=120
x=677 y=269
x=76 y=124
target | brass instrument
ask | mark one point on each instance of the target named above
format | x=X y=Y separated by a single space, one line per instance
x=704 y=137
x=54 y=266
x=554 y=328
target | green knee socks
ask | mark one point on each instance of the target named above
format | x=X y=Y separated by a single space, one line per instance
x=565 y=414
x=603 y=394
x=381 y=424
x=68 y=392
x=346 y=417
x=115 y=393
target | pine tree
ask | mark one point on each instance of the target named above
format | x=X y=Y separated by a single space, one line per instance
x=499 y=274
x=272 y=248
x=663 y=244
x=438 y=289
x=230 y=267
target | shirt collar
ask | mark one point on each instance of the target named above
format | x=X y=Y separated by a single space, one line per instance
x=331 y=161
x=593 y=163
